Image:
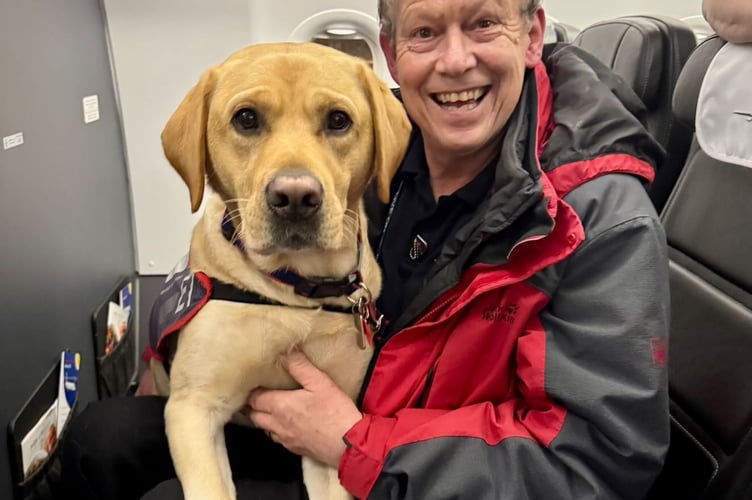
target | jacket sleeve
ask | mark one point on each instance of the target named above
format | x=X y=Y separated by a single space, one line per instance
x=605 y=332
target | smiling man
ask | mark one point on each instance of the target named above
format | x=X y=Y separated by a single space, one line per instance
x=525 y=278
x=460 y=66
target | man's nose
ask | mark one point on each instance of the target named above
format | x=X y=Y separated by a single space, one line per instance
x=457 y=54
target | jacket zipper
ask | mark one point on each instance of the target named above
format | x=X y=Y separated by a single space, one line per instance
x=421 y=403
x=379 y=343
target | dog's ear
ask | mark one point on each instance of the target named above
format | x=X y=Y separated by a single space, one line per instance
x=391 y=130
x=184 y=137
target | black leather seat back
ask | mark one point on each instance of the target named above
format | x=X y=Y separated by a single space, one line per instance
x=707 y=221
x=649 y=53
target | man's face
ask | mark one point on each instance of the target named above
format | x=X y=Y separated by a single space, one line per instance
x=460 y=66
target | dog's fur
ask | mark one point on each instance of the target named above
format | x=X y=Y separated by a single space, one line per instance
x=230 y=348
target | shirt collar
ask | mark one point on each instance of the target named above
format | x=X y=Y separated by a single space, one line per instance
x=415 y=169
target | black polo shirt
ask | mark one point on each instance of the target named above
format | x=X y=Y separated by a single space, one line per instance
x=418 y=226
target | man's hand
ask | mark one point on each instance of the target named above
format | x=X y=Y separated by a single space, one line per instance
x=309 y=421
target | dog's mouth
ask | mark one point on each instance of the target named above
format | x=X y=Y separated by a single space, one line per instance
x=280 y=236
x=461 y=101
x=287 y=239
x=286 y=236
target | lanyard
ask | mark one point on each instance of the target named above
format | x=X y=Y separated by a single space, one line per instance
x=388 y=219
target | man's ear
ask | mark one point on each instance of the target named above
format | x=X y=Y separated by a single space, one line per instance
x=390 y=54
x=391 y=130
x=184 y=137
x=535 y=34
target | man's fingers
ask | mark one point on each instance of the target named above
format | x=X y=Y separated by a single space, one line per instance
x=262 y=400
x=302 y=370
x=261 y=420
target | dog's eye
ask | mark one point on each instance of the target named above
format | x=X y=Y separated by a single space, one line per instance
x=246 y=121
x=338 y=121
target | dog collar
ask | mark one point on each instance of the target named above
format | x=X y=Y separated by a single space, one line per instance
x=368 y=319
x=319 y=288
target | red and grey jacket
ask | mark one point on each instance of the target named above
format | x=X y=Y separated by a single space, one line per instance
x=532 y=364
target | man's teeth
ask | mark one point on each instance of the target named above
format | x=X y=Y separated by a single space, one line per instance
x=452 y=97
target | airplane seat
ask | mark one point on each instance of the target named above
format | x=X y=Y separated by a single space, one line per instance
x=710 y=348
x=561 y=33
x=649 y=52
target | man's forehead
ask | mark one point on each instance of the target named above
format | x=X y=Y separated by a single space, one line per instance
x=463 y=6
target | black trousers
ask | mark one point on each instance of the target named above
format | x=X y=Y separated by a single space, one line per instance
x=116 y=449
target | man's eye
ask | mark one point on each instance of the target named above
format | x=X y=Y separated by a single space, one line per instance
x=485 y=23
x=424 y=33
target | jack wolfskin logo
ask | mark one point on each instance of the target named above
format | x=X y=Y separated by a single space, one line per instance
x=501 y=313
x=659 y=351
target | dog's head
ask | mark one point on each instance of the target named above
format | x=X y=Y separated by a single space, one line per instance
x=289 y=135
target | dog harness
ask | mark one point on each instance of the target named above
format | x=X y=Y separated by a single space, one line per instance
x=186 y=292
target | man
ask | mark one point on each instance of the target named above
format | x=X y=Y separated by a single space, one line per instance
x=525 y=280
x=526 y=287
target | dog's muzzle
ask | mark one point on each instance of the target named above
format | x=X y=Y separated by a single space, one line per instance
x=294 y=201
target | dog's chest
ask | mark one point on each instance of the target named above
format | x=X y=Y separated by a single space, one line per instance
x=250 y=338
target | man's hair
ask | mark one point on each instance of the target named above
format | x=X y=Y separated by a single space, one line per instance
x=387 y=21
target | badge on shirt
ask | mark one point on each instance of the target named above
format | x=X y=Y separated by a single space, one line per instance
x=418 y=248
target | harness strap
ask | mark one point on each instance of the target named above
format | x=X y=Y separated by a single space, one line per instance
x=226 y=291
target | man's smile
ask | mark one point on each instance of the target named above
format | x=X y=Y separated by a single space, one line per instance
x=460 y=101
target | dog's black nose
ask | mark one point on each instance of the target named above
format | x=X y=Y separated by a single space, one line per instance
x=294 y=196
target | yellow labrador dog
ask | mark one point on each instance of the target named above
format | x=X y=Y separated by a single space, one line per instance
x=288 y=136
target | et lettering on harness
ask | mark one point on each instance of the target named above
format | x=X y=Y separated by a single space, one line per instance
x=183 y=296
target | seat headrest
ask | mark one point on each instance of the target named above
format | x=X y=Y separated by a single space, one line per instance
x=561 y=33
x=639 y=49
x=688 y=85
x=632 y=47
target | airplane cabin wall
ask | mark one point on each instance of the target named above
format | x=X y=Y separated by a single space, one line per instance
x=65 y=228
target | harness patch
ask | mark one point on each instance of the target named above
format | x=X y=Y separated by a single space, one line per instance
x=183 y=296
